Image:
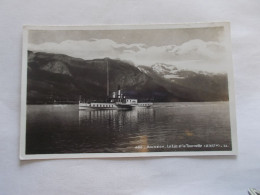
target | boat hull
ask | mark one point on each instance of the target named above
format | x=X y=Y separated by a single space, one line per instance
x=99 y=106
x=112 y=106
x=145 y=104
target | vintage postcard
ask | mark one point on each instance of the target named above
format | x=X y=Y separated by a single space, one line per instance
x=127 y=91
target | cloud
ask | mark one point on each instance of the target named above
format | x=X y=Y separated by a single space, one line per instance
x=211 y=53
x=200 y=49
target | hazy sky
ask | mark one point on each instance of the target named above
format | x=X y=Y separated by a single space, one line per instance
x=150 y=37
x=191 y=48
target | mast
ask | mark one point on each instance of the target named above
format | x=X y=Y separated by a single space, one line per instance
x=107 y=79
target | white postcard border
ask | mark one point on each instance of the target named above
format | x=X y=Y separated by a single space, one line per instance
x=26 y=28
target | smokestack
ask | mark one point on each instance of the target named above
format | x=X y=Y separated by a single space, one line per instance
x=118 y=92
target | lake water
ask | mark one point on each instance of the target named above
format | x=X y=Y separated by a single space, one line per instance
x=57 y=129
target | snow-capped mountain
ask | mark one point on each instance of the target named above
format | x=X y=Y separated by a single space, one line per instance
x=186 y=81
x=171 y=72
x=163 y=68
x=167 y=71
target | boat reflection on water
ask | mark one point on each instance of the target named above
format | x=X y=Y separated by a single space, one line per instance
x=116 y=116
x=119 y=130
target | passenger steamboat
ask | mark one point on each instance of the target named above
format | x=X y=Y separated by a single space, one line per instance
x=117 y=101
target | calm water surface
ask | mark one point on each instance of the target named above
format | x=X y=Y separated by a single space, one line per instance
x=56 y=129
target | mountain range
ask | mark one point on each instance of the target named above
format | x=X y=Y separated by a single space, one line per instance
x=61 y=78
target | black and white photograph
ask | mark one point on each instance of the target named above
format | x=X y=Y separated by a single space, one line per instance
x=127 y=91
